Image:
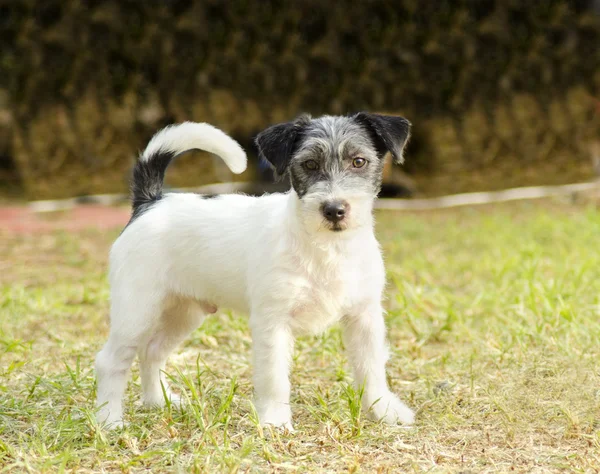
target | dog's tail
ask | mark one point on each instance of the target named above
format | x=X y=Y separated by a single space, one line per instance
x=149 y=171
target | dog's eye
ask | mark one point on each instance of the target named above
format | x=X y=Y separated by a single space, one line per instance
x=359 y=162
x=311 y=165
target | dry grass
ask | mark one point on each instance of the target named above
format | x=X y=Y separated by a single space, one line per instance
x=494 y=322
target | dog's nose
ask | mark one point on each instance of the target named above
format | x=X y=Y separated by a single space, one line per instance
x=335 y=211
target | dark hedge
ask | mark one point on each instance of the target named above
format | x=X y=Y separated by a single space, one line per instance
x=499 y=92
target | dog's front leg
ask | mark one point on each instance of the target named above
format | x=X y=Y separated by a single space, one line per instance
x=364 y=336
x=273 y=345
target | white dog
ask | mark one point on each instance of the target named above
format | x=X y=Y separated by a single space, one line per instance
x=295 y=262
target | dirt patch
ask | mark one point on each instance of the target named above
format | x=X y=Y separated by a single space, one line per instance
x=22 y=220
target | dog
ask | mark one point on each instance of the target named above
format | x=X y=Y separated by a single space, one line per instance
x=296 y=262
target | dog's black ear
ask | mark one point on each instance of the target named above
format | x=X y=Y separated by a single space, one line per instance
x=389 y=132
x=277 y=143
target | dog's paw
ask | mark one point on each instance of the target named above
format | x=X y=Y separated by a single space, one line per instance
x=159 y=401
x=276 y=415
x=111 y=424
x=110 y=419
x=176 y=400
x=115 y=425
x=391 y=410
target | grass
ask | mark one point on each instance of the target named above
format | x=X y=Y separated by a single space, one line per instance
x=494 y=322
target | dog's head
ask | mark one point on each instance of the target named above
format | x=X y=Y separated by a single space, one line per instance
x=335 y=164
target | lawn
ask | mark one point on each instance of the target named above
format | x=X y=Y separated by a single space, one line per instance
x=494 y=323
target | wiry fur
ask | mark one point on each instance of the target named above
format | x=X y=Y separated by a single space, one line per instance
x=274 y=258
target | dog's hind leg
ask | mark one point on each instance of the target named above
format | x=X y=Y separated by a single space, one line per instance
x=113 y=363
x=177 y=322
x=130 y=320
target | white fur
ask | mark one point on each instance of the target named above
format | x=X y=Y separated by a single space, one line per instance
x=198 y=136
x=186 y=256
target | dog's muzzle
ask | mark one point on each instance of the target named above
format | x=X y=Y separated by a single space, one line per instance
x=335 y=211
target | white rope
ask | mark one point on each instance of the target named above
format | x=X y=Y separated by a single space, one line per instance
x=470 y=199
x=453 y=200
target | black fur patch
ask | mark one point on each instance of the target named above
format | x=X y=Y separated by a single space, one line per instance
x=389 y=133
x=277 y=144
x=148 y=177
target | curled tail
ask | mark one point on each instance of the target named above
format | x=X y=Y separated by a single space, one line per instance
x=149 y=170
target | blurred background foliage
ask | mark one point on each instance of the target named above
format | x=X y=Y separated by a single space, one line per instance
x=501 y=93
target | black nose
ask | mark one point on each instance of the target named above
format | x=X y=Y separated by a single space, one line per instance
x=334 y=211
